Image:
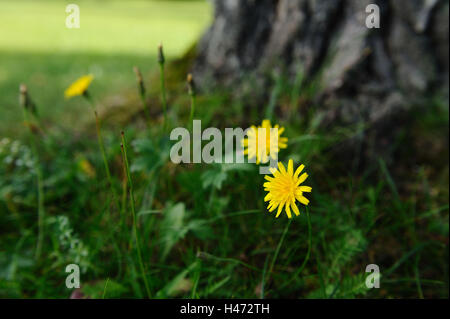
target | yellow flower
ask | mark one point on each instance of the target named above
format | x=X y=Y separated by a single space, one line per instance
x=284 y=189
x=87 y=168
x=261 y=146
x=79 y=87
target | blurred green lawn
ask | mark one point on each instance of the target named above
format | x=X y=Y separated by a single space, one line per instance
x=36 y=48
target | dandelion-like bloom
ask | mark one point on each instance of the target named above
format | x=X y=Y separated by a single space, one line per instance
x=284 y=189
x=79 y=87
x=260 y=146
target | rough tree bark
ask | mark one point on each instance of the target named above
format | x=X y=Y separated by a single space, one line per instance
x=364 y=73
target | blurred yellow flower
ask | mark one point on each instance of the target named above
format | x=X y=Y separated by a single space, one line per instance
x=87 y=168
x=79 y=87
x=284 y=189
x=263 y=146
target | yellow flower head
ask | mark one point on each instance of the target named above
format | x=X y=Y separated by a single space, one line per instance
x=79 y=87
x=284 y=189
x=87 y=168
x=260 y=146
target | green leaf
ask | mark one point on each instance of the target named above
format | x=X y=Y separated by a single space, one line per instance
x=344 y=249
x=214 y=178
x=177 y=285
x=173 y=227
x=150 y=156
x=200 y=228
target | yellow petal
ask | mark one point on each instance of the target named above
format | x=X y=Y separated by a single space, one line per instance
x=281 y=168
x=302 y=178
x=280 y=209
x=291 y=167
x=295 y=208
x=272 y=207
x=266 y=124
x=288 y=210
x=303 y=200
x=299 y=170
x=305 y=189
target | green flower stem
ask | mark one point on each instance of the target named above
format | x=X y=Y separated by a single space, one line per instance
x=124 y=198
x=146 y=111
x=142 y=92
x=41 y=210
x=40 y=187
x=193 y=104
x=104 y=288
x=102 y=149
x=277 y=251
x=163 y=95
x=308 y=253
x=133 y=212
x=105 y=160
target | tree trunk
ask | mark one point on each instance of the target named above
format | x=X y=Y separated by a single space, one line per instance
x=363 y=73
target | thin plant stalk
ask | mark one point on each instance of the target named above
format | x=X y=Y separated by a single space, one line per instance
x=39 y=176
x=193 y=103
x=142 y=92
x=146 y=111
x=196 y=280
x=104 y=288
x=308 y=253
x=41 y=209
x=192 y=93
x=163 y=96
x=264 y=278
x=105 y=160
x=40 y=187
x=102 y=150
x=161 y=61
x=133 y=213
x=124 y=195
x=277 y=250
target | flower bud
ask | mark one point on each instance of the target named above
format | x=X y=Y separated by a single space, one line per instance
x=25 y=100
x=140 y=81
x=161 y=58
x=191 y=85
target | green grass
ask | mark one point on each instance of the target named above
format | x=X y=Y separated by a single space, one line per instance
x=203 y=230
x=37 y=49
